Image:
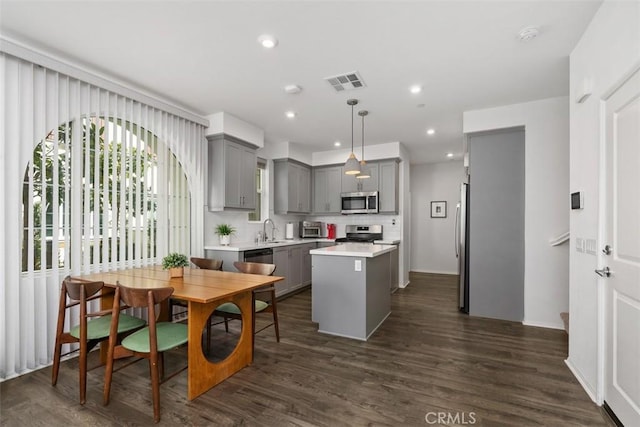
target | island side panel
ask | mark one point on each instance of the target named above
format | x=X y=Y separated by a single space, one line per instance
x=338 y=295
x=378 y=295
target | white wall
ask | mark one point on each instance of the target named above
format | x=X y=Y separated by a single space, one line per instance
x=432 y=246
x=546 y=122
x=226 y=123
x=608 y=50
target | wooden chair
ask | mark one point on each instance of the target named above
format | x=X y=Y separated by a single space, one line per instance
x=92 y=328
x=149 y=342
x=203 y=263
x=231 y=311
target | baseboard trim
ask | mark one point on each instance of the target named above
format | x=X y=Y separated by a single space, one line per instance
x=544 y=325
x=447 y=273
x=583 y=383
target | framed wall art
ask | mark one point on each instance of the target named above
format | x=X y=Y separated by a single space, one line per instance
x=438 y=209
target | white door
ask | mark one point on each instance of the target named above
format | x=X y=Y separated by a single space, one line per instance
x=622 y=234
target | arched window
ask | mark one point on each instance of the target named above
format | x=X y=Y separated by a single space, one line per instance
x=100 y=191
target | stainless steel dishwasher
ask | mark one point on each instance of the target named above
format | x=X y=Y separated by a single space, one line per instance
x=264 y=255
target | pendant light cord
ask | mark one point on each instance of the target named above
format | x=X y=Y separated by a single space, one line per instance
x=352 y=128
x=362 y=138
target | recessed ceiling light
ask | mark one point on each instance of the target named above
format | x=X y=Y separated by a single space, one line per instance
x=415 y=89
x=431 y=131
x=290 y=114
x=337 y=144
x=267 y=41
x=292 y=89
x=528 y=33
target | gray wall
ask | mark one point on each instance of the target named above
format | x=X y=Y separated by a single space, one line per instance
x=496 y=224
x=432 y=242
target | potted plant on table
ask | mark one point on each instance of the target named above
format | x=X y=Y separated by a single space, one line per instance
x=225 y=231
x=175 y=263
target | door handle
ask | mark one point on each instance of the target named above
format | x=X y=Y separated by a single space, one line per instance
x=605 y=272
x=456 y=243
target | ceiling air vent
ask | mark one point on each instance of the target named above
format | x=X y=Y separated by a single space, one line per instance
x=348 y=81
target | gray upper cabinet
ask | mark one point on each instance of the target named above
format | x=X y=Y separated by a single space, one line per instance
x=231 y=174
x=292 y=182
x=351 y=184
x=326 y=190
x=388 y=186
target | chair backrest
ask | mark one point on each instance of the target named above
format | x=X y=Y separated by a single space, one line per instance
x=79 y=291
x=255 y=268
x=139 y=297
x=143 y=297
x=207 y=264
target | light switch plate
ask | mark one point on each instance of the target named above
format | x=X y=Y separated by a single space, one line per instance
x=579 y=244
x=591 y=248
x=358 y=265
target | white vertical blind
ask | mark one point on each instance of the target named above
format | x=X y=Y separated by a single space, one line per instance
x=108 y=182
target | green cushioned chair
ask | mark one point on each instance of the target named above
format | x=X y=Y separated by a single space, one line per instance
x=231 y=311
x=93 y=326
x=150 y=342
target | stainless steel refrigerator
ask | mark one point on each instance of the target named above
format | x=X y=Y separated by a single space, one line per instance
x=461 y=246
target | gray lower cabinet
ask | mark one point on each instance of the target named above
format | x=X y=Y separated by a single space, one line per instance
x=281 y=261
x=352 y=184
x=292 y=262
x=289 y=264
x=388 y=186
x=326 y=190
x=292 y=181
x=231 y=171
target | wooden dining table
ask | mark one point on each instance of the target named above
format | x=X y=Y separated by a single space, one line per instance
x=204 y=290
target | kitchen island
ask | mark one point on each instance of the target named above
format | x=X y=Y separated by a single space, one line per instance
x=350 y=288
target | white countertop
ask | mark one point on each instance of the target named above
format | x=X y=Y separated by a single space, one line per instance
x=386 y=242
x=248 y=246
x=366 y=250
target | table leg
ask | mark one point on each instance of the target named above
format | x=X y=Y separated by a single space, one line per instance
x=106 y=303
x=203 y=374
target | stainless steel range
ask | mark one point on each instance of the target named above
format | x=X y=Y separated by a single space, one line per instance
x=361 y=233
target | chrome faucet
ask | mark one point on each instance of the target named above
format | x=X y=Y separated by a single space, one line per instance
x=273 y=229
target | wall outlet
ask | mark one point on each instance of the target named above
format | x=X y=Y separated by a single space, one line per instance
x=579 y=244
x=358 y=265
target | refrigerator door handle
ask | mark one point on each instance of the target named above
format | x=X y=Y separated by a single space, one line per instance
x=456 y=242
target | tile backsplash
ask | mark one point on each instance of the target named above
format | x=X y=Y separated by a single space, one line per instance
x=246 y=231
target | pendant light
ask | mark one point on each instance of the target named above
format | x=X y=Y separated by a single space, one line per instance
x=352 y=166
x=364 y=171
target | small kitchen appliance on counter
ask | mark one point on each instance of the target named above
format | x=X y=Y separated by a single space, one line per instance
x=361 y=234
x=310 y=229
x=331 y=231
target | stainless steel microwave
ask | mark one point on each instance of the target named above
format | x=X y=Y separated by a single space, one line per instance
x=360 y=203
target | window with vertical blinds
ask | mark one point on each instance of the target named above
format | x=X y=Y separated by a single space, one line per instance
x=117 y=186
x=92 y=179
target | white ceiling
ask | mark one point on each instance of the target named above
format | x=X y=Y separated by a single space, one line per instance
x=205 y=56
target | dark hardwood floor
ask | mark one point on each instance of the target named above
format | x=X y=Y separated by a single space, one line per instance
x=427 y=358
